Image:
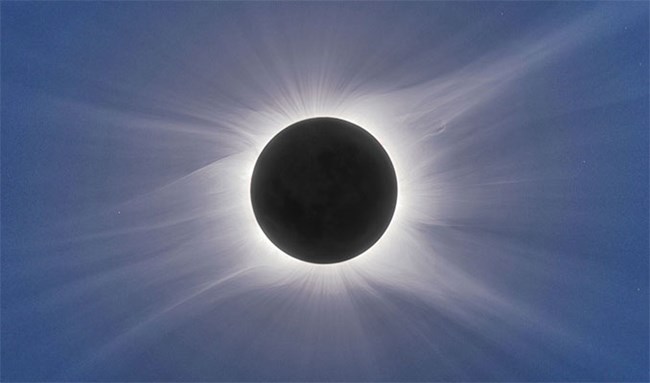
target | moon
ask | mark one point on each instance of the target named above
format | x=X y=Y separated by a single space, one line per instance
x=323 y=190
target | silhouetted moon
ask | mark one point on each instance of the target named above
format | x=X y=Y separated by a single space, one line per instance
x=324 y=190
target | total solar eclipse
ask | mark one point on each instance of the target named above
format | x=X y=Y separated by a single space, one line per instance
x=324 y=190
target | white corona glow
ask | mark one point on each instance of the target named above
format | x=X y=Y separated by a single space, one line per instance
x=403 y=118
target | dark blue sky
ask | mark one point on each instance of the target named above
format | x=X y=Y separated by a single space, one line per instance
x=523 y=254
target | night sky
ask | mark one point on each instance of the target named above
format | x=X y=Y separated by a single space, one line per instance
x=519 y=249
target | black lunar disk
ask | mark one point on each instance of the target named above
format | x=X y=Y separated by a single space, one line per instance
x=324 y=190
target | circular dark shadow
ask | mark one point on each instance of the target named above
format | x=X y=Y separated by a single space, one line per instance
x=324 y=190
